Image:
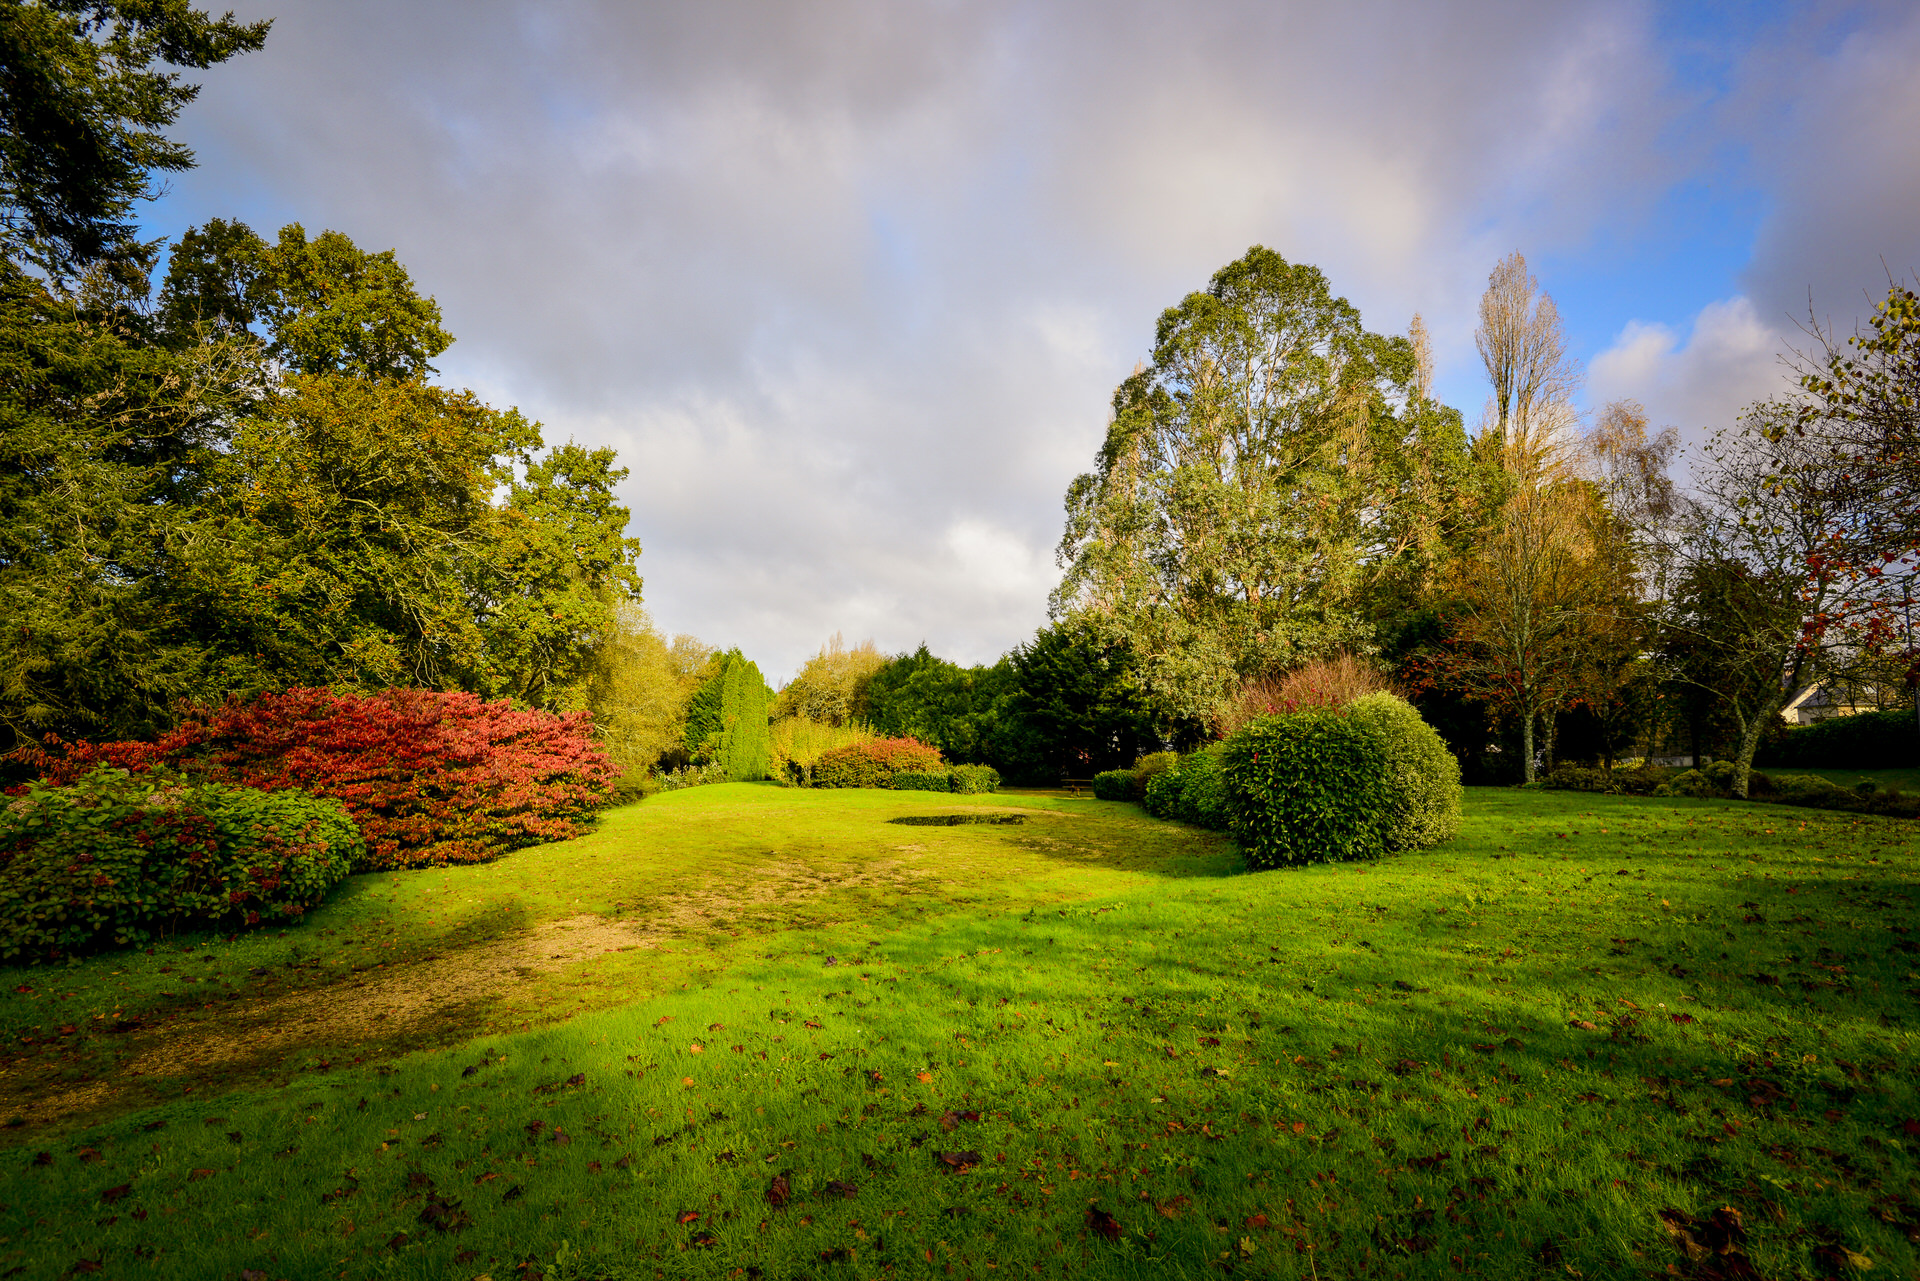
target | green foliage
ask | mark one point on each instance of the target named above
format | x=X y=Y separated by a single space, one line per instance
x=974 y=780
x=1423 y=777
x=82 y=106
x=1115 y=785
x=1307 y=787
x=1866 y=740
x=966 y=712
x=1203 y=790
x=114 y=859
x=1077 y=697
x=727 y=718
x=1235 y=505
x=910 y=780
x=874 y=763
x=798 y=743
x=1161 y=797
x=325 y=305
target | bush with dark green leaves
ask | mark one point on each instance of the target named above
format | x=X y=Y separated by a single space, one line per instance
x=913 y=780
x=1423 y=777
x=1309 y=786
x=1867 y=740
x=1163 y=793
x=1114 y=785
x=974 y=780
x=1203 y=790
x=115 y=859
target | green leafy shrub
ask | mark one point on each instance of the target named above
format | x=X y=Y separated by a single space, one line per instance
x=1693 y=783
x=1114 y=785
x=1811 y=790
x=1720 y=774
x=1310 y=786
x=1643 y=780
x=1423 y=777
x=974 y=780
x=915 y=780
x=1163 y=792
x=115 y=859
x=1203 y=790
x=875 y=762
x=1867 y=740
x=1578 y=778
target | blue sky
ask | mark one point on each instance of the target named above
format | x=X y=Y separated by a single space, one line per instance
x=849 y=283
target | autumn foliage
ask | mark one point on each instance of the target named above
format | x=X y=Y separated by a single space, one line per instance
x=430 y=778
x=874 y=763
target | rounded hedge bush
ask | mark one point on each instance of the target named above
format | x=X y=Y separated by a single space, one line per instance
x=1203 y=790
x=1114 y=785
x=1163 y=792
x=115 y=859
x=912 y=780
x=875 y=762
x=1309 y=786
x=1423 y=777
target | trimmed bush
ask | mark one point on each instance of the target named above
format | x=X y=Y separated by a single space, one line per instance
x=1114 y=785
x=912 y=780
x=1203 y=791
x=1812 y=790
x=1867 y=740
x=1308 y=787
x=973 y=780
x=1693 y=783
x=1163 y=792
x=875 y=762
x=1578 y=778
x=114 y=859
x=1422 y=775
x=429 y=778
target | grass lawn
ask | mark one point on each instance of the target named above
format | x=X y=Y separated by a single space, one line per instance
x=769 y=1033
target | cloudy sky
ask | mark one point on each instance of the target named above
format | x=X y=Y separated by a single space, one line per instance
x=848 y=283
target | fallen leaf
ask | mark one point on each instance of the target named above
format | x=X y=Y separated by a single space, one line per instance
x=1257 y=1222
x=1103 y=1224
x=923 y=1077
x=959 y=1162
x=779 y=1193
x=194 y=1176
x=840 y=1189
x=688 y=1216
x=1681 y=1018
x=1583 y=1025
x=114 y=1194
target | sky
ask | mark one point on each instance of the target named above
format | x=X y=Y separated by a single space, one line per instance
x=849 y=283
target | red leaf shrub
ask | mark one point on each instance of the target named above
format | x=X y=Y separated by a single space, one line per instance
x=874 y=763
x=430 y=778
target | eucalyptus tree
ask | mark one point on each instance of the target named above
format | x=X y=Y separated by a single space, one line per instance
x=1246 y=487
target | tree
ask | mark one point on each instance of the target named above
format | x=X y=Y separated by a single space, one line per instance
x=82 y=109
x=1222 y=531
x=320 y=306
x=727 y=717
x=1528 y=596
x=832 y=687
x=640 y=687
x=1533 y=377
x=1757 y=589
x=954 y=708
x=1077 y=694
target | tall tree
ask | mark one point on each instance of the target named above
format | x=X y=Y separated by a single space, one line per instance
x=83 y=107
x=1222 y=531
x=1533 y=377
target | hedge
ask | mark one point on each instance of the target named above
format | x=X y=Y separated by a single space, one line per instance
x=1114 y=785
x=430 y=778
x=1309 y=786
x=114 y=858
x=1203 y=791
x=912 y=780
x=975 y=779
x=1422 y=775
x=1866 y=740
x=875 y=762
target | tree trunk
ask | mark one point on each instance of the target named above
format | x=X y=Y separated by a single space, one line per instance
x=1526 y=747
x=1750 y=741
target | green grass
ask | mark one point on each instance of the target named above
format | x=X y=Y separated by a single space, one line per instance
x=1508 y=1057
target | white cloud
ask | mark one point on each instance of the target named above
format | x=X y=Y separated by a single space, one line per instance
x=1728 y=359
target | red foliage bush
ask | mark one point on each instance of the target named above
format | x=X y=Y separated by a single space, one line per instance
x=873 y=763
x=430 y=778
